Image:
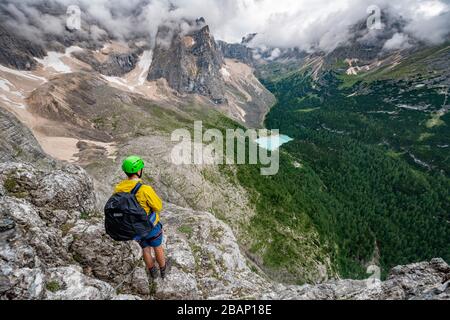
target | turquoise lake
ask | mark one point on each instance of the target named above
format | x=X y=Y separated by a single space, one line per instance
x=273 y=143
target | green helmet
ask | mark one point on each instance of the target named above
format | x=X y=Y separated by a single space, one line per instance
x=133 y=164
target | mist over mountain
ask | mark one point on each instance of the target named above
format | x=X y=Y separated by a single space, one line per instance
x=308 y=25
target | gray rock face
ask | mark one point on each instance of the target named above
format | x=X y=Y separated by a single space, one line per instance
x=16 y=141
x=69 y=283
x=58 y=249
x=206 y=260
x=64 y=188
x=187 y=56
x=236 y=51
x=422 y=281
x=117 y=64
x=17 y=52
x=104 y=259
x=49 y=210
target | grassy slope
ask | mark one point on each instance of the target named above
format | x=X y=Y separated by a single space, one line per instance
x=416 y=65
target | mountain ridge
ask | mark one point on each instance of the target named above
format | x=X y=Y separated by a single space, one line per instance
x=90 y=103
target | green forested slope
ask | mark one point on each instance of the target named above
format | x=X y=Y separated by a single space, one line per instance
x=374 y=176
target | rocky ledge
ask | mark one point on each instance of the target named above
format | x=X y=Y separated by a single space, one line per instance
x=53 y=246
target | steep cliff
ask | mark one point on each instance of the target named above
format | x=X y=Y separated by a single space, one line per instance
x=187 y=56
x=53 y=246
x=16 y=141
x=18 y=52
x=237 y=51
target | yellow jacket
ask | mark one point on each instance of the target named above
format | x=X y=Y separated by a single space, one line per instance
x=146 y=196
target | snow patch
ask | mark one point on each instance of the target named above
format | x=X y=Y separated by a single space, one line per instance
x=353 y=71
x=72 y=49
x=5 y=85
x=225 y=72
x=118 y=81
x=24 y=74
x=144 y=65
x=9 y=101
x=354 y=68
x=54 y=61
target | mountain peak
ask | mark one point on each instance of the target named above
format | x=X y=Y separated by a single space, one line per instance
x=248 y=38
x=201 y=22
x=189 y=59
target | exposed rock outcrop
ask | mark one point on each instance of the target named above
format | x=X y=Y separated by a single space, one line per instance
x=117 y=64
x=187 y=56
x=422 y=281
x=17 y=52
x=16 y=141
x=237 y=51
x=53 y=213
x=206 y=260
x=248 y=100
x=58 y=249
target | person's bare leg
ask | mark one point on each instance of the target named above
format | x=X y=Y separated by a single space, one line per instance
x=147 y=253
x=160 y=258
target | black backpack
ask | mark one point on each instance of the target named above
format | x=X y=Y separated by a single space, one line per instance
x=125 y=219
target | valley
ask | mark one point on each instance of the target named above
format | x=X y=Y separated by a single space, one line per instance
x=364 y=163
x=383 y=169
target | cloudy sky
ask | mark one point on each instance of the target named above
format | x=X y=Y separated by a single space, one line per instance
x=279 y=23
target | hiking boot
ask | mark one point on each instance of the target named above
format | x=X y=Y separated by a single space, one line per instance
x=164 y=269
x=153 y=272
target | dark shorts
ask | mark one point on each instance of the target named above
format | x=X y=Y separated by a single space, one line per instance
x=154 y=238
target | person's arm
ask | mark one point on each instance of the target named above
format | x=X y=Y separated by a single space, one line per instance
x=153 y=201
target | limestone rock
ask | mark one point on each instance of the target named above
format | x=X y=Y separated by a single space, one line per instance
x=55 y=251
x=117 y=64
x=66 y=187
x=101 y=257
x=187 y=56
x=69 y=283
x=16 y=141
x=17 y=52
x=417 y=281
x=237 y=51
x=206 y=261
x=57 y=224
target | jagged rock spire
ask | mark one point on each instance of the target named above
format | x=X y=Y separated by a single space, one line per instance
x=187 y=56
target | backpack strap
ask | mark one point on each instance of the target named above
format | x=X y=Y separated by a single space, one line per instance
x=136 y=188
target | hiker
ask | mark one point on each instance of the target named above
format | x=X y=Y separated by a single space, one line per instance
x=125 y=217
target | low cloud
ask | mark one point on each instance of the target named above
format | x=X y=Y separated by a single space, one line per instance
x=398 y=41
x=307 y=24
